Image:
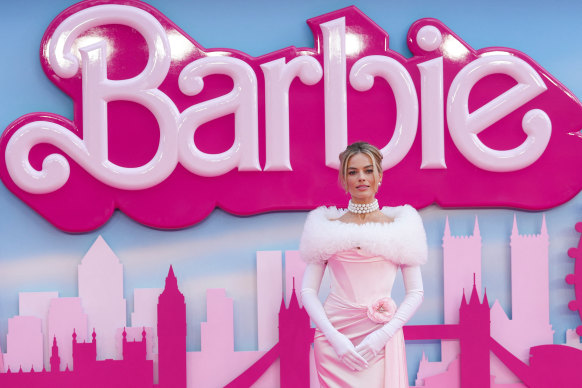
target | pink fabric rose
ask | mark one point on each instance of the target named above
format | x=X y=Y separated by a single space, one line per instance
x=382 y=310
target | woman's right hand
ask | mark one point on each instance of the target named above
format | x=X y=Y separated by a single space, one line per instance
x=344 y=348
x=346 y=351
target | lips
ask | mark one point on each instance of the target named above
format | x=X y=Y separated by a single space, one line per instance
x=362 y=187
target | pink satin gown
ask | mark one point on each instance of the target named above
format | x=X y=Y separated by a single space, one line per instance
x=358 y=279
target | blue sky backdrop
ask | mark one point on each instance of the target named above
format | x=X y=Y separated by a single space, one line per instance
x=220 y=251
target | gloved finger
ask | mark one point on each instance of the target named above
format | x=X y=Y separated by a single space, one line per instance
x=363 y=348
x=367 y=354
x=358 y=359
x=350 y=363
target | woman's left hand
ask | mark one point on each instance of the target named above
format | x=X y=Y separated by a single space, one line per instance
x=373 y=344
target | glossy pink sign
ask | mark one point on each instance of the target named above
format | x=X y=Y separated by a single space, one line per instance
x=166 y=130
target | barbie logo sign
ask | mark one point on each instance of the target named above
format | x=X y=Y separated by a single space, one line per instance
x=166 y=130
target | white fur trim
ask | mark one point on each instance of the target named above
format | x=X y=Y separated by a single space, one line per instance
x=402 y=241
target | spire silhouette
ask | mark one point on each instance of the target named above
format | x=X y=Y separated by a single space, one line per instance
x=514 y=230
x=447 y=232
x=474 y=294
x=476 y=231
x=55 y=360
x=544 y=229
x=171 y=286
x=172 y=335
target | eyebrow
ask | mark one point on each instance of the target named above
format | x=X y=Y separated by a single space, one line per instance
x=355 y=168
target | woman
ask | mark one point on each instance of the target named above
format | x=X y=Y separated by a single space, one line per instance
x=359 y=341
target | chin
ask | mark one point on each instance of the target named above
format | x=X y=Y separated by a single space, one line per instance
x=363 y=198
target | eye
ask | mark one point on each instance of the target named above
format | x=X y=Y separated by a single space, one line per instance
x=370 y=171
x=352 y=172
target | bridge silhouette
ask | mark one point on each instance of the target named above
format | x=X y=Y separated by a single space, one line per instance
x=550 y=365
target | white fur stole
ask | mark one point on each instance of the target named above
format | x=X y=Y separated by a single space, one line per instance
x=403 y=241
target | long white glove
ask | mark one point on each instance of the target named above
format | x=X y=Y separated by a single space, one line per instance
x=375 y=342
x=341 y=344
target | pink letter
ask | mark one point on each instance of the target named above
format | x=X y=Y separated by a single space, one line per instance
x=242 y=101
x=464 y=126
x=433 y=122
x=336 y=109
x=97 y=90
x=278 y=78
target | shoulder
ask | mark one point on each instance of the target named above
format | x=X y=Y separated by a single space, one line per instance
x=404 y=215
x=403 y=211
x=407 y=236
x=322 y=218
x=325 y=213
x=319 y=232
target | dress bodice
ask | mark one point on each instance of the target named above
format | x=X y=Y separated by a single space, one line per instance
x=359 y=277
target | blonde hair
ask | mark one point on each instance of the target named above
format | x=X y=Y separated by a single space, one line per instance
x=359 y=147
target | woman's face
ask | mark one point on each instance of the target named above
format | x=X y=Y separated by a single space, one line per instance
x=361 y=179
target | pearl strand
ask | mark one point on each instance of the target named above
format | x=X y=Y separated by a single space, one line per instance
x=362 y=208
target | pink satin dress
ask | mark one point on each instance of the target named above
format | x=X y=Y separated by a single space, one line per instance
x=358 y=280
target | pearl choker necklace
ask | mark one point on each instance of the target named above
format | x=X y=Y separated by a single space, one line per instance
x=362 y=208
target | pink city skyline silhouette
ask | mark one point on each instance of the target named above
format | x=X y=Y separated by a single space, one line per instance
x=495 y=354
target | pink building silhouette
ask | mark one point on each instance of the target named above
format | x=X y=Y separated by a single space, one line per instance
x=55 y=360
x=474 y=317
x=101 y=291
x=472 y=332
x=134 y=370
x=217 y=340
x=295 y=338
x=217 y=347
x=293 y=350
x=529 y=325
x=24 y=344
x=66 y=316
x=145 y=312
x=136 y=334
x=1 y=360
x=462 y=264
x=549 y=365
x=171 y=335
x=144 y=315
x=37 y=304
x=269 y=286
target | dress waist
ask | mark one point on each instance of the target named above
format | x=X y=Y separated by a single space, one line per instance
x=379 y=311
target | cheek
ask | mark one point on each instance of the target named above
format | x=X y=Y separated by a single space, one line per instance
x=346 y=183
x=351 y=182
